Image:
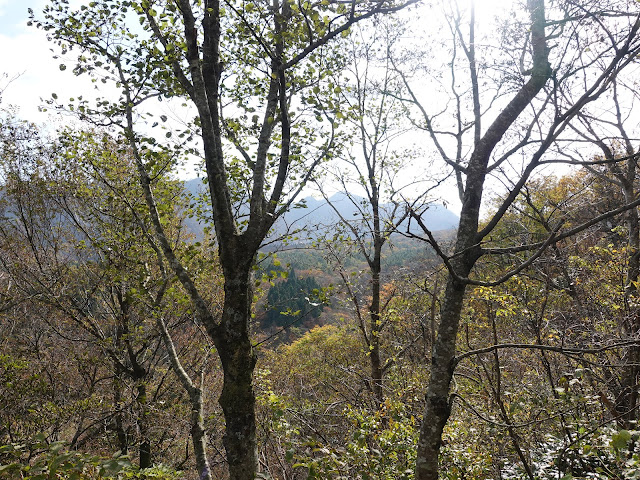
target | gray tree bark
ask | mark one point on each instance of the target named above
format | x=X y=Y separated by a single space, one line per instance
x=198 y=432
x=467 y=252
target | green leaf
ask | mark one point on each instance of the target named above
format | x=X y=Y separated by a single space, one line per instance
x=289 y=455
x=620 y=439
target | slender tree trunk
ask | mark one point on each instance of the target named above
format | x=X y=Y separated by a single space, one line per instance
x=438 y=407
x=238 y=361
x=496 y=387
x=198 y=432
x=375 y=329
x=143 y=426
x=376 y=371
x=627 y=401
x=123 y=442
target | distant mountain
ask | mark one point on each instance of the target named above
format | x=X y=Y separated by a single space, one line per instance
x=312 y=212
x=318 y=214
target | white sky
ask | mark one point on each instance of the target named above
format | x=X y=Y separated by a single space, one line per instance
x=26 y=54
x=26 y=57
x=25 y=51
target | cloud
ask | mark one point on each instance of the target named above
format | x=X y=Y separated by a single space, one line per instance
x=27 y=57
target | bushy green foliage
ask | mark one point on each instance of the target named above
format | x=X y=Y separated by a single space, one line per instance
x=378 y=448
x=318 y=418
x=41 y=460
x=24 y=396
x=377 y=445
x=604 y=453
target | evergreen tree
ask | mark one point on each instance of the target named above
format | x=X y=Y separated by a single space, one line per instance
x=293 y=300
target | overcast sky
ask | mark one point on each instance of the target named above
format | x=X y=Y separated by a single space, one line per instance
x=25 y=54
x=26 y=57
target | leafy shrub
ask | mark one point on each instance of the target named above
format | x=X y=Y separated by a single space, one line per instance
x=39 y=460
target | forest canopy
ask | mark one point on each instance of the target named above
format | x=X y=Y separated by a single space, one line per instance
x=153 y=331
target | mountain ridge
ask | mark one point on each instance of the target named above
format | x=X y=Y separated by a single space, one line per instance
x=311 y=213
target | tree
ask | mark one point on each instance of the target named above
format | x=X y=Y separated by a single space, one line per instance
x=532 y=122
x=226 y=60
x=563 y=316
x=371 y=166
x=74 y=244
x=292 y=300
x=616 y=174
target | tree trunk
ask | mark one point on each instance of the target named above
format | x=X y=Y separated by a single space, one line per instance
x=376 y=370
x=143 y=426
x=123 y=442
x=238 y=361
x=198 y=432
x=438 y=407
x=375 y=329
x=627 y=401
x=199 y=435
